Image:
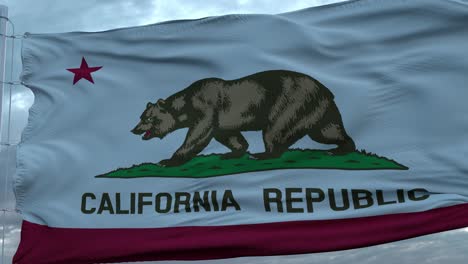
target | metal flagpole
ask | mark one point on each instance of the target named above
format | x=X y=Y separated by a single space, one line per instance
x=3 y=32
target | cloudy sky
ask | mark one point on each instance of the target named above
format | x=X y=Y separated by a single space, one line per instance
x=94 y=15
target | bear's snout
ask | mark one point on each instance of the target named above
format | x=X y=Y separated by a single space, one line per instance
x=137 y=131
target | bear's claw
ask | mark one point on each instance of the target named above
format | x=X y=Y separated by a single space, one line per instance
x=170 y=163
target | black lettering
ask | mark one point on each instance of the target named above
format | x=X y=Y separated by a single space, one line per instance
x=360 y=195
x=197 y=201
x=290 y=200
x=142 y=202
x=228 y=200
x=345 y=199
x=310 y=199
x=401 y=195
x=412 y=194
x=182 y=198
x=168 y=204
x=214 y=201
x=118 y=210
x=84 y=210
x=275 y=199
x=132 y=203
x=381 y=198
x=106 y=204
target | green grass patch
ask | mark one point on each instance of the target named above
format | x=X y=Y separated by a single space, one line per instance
x=205 y=166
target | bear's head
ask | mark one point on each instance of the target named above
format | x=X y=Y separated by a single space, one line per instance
x=156 y=121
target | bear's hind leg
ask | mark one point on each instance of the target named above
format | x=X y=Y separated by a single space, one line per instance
x=235 y=142
x=334 y=134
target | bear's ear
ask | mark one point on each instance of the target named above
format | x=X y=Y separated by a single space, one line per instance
x=161 y=102
x=149 y=104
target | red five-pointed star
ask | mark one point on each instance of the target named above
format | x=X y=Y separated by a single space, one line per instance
x=83 y=72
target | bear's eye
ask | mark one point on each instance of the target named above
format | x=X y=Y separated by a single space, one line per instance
x=149 y=119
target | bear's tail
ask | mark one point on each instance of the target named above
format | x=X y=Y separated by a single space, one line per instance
x=325 y=90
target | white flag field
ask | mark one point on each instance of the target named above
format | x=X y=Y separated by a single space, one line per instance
x=323 y=129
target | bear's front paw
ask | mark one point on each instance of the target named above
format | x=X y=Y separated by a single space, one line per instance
x=170 y=162
x=264 y=156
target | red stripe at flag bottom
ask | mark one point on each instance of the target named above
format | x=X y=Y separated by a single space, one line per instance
x=42 y=244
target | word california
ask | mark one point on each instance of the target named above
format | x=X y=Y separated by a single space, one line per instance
x=288 y=200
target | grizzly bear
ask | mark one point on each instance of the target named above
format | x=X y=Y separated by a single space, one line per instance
x=284 y=105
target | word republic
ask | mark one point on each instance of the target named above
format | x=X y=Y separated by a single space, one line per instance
x=288 y=200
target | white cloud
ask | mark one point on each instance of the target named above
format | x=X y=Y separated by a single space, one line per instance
x=182 y=9
x=21 y=101
x=12 y=234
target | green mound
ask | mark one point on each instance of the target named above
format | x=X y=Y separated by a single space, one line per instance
x=212 y=165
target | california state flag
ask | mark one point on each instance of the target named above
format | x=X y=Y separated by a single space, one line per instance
x=324 y=129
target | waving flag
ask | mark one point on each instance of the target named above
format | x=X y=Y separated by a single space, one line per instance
x=323 y=129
